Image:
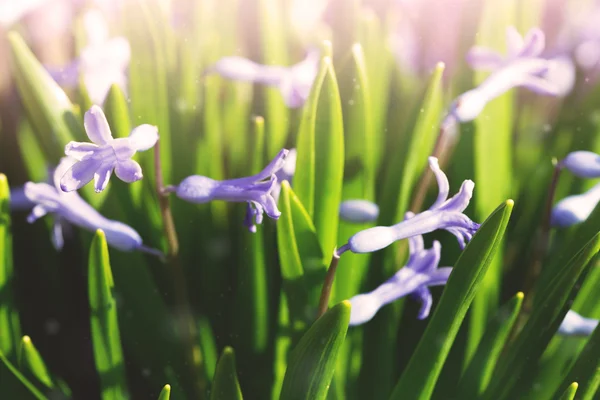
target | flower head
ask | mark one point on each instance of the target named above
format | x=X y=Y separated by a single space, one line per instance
x=576 y=208
x=256 y=190
x=420 y=272
x=70 y=207
x=97 y=160
x=293 y=82
x=359 y=211
x=584 y=164
x=521 y=67
x=102 y=62
x=576 y=325
x=443 y=214
x=286 y=173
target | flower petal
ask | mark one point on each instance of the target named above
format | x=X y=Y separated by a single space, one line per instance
x=102 y=176
x=80 y=151
x=58 y=240
x=575 y=209
x=121 y=236
x=576 y=325
x=514 y=41
x=143 y=137
x=584 y=164
x=242 y=69
x=359 y=211
x=42 y=193
x=364 y=307
x=79 y=174
x=533 y=43
x=36 y=213
x=439 y=276
x=484 y=59
x=442 y=181
x=372 y=239
x=423 y=294
x=128 y=171
x=96 y=126
x=460 y=200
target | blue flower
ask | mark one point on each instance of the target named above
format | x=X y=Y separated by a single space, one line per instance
x=293 y=82
x=359 y=211
x=97 y=160
x=286 y=173
x=443 y=214
x=70 y=207
x=576 y=208
x=256 y=190
x=522 y=67
x=101 y=63
x=414 y=279
x=576 y=325
x=584 y=164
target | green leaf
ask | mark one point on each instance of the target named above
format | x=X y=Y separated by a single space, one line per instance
x=31 y=362
x=522 y=356
x=320 y=164
x=492 y=154
x=312 y=362
x=570 y=392
x=208 y=346
x=10 y=328
x=426 y=363
x=106 y=338
x=274 y=51
x=225 y=385
x=117 y=112
x=14 y=385
x=165 y=393
x=586 y=370
x=479 y=371
x=47 y=106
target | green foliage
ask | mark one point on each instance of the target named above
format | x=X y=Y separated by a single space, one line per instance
x=225 y=384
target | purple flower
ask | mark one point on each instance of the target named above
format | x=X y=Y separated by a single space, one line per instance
x=286 y=173
x=443 y=214
x=414 y=279
x=576 y=208
x=359 y=211
x=576 y=325
x=102 y=63
x=70 y=207
x=584 y=164
x=521 y=67
x=97 y=160
x=256 y=190
x=293 y=82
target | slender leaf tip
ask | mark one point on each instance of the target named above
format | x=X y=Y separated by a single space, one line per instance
x=440 y=67
x=3 y=179
x=100 y=233
x=574 y=385
x=259 y=120
x=326 y=48
x=510 y=203
x=26 y=340
x=520 y=295
x=167 y=388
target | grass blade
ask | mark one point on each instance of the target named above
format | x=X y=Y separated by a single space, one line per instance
x=14 y=384
x=165 y=393
x=570 y=392
x=225 y=385
x=106 y=338
x=426 y=363
x=312 y=362
x=31 y=362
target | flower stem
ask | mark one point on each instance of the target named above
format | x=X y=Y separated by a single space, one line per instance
x=328 y=284
x=187 y=326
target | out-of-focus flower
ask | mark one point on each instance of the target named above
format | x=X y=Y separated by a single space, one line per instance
x=576 y=325
x=359 y=211
x=11 y=11
x=70 y=207
x=443 y=214
x=293 y=82
x=584 y=164
x=18 y=200
x=576 y=208
x=97 y=160
x=522 y=67
x=256 y=190
x=102 y=63
x=420 y=272
x=286 y=173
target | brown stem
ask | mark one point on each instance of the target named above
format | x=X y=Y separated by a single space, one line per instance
x=188 y=331
x=327 y=285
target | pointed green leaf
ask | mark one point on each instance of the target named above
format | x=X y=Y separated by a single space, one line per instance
x=225 y=385
x=116 y=109
x=426 y=363
x=13 y=385
x=312 y=362
x=522 y=356
x=106 y=338
x=31 y=362
x=47 y=105
x=165 y=393
x=570 y=392
x=320 y=165
x=586 y=370
x=10 y=328
x=479 y=372
x=208 y=346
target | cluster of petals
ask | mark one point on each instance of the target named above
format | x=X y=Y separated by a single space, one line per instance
x=97 y=160
x=577 y=208
x=414 y=279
